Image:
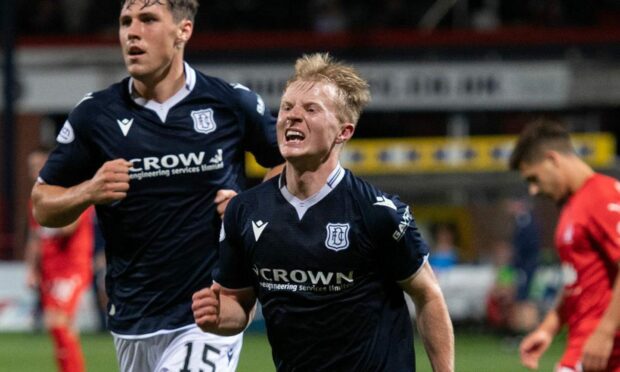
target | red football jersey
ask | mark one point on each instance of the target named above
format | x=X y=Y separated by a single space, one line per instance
x=588 y=242
x=67 y=255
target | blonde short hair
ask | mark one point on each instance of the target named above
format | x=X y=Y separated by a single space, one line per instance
x=353 y=90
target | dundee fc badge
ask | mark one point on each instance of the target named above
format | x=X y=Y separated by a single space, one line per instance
x=203 y=121
x=337 y=236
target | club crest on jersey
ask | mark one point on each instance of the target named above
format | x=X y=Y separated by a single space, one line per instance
x=66 y=134
x=204 y=121
x=337 y=236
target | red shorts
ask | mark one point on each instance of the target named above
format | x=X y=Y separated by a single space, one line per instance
x=63 y=293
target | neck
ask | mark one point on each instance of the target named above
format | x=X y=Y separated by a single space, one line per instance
x=163 y=84
x=580 y=172
x=304 y=182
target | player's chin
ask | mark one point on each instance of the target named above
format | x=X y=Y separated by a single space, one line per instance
x=291 y=149
x=135 y=70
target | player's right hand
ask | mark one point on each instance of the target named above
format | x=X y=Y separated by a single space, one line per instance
x=533 y=346
x=206 y=307
x=110 y=183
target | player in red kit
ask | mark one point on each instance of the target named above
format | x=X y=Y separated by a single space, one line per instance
x=587 y=239
x=59 y=262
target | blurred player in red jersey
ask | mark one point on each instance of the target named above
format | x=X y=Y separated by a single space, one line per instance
x=59 y=262
x=587 y=239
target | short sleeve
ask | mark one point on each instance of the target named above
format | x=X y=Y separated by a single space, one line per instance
x=401 y=249
x=71 y=162
x=234 y=271
x=604 y=226
x=260 y=127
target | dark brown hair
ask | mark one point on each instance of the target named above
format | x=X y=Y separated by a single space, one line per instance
x=180 y=9
x=539 y=136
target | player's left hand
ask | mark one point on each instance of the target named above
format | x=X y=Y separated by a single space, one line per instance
x=596 y=351
x=222 y=198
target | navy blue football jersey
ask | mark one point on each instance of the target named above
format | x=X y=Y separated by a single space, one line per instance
x=325 y=271
x=161 y=240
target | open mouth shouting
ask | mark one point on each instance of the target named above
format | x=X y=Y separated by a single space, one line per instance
x=293 y=136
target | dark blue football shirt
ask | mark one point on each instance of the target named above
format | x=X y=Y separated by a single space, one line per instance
x=325 y=271
x=161 y=240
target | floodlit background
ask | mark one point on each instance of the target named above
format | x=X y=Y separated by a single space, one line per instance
x=453 y=82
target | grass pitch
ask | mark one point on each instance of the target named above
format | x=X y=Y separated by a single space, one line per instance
x=475 y=352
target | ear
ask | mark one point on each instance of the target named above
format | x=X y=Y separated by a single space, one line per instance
x=184 y=32
x=554 y=157
x=346 y=132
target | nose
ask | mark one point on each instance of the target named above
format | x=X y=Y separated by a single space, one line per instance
x=533 y=189
x=292 y=116
x=133 y=30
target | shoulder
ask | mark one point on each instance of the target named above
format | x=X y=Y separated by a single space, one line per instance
x=598 y=200
x=375 y=203
x=600 y=190
x=236 y=93
x=606 y=184
x=255 y=197
x=80 y=120
x=368 y=194
x=207 y=84
x=212 y=82
x=100 y=100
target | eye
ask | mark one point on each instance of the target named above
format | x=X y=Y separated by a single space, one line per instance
x=149 y=19
x=311 y=108
x=125 y=21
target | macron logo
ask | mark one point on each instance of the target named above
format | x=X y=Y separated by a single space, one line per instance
x=258 y=228
x=385 y=202
x=125 y=124
x=230 y=353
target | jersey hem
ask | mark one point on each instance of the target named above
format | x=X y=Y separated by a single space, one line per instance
x=156 y=333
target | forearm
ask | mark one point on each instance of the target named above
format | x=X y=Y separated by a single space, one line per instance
x=433 y=320
x=611 y=318
x=552 y=323
x=234 y=318
x=56 y=206
x=32 y=252
x=435 y=328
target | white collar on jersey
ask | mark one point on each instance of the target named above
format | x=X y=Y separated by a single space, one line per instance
x=302 y=206
x=161 y=109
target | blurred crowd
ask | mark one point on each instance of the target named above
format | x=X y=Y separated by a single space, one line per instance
x=67 y=17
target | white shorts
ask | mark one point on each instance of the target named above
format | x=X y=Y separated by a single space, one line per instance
x=188 y=349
